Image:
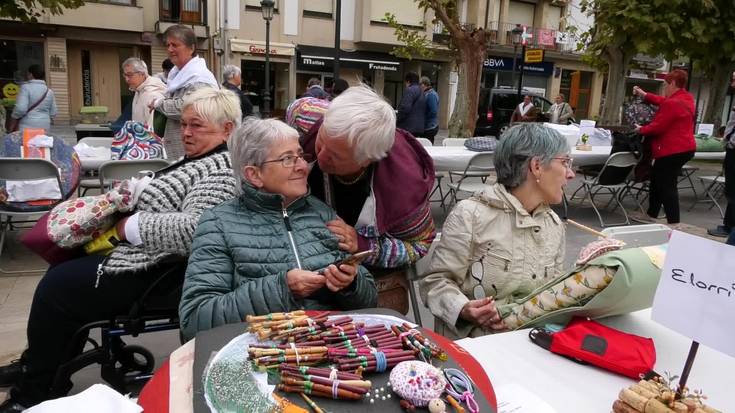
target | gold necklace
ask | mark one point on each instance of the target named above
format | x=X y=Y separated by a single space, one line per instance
x=350 y=182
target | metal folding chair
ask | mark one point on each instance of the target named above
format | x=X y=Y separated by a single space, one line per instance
x=21 y=169
x=115 y=171
x=687 y=172
x=714 y=188
x=414 y=273
x=480 y=165
x=89 y=181
x=613 y=178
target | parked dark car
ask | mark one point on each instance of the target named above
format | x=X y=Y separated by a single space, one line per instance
x=496 y=107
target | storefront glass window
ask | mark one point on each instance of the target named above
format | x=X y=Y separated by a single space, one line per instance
x=15 y=57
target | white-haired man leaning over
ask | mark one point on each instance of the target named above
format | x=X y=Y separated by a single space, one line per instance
x=375 y=176
x=233 y=79
x=146 y=88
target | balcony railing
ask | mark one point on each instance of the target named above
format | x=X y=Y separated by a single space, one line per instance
x=183 y=11
x=549 y=39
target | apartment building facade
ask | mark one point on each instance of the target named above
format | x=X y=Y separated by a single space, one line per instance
x=82 y=49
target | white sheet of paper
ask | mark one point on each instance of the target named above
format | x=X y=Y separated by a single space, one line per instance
x=586 y=126
x=696 y=293
x=514 y=398
x=706 y=129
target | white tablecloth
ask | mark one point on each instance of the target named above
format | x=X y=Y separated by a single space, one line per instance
x=571 y=387
x=456 y=158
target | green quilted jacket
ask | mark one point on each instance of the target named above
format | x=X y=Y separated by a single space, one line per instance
x=242 y=251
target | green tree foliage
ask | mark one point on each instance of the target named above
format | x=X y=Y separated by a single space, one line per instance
x=28 y=11
x=469 y=46
x=703 y=30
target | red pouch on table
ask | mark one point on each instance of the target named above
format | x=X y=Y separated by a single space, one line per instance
x=590 y=342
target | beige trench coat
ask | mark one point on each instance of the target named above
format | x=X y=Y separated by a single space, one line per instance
x=515 y=252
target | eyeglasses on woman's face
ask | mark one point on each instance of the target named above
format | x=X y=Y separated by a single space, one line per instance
x=566 y=161
x=289 y=161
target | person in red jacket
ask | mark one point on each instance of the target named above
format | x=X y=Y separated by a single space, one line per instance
x=671 y=136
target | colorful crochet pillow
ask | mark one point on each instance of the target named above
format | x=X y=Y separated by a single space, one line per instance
x=417 y=382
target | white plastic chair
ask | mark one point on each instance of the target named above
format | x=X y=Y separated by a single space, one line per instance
x=20 y=169
x=87 y=183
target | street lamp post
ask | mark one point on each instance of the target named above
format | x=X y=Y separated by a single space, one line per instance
x=266 y=6
x=516 y=39
x=519 y=37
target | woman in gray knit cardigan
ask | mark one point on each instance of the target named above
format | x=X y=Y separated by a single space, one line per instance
x=159 y=232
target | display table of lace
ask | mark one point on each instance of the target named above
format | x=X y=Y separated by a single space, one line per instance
x=367 y=362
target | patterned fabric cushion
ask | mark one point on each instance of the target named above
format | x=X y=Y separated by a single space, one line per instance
x=77 y=221
x=62 y=155
x=417 y=382
x=574 y=290
x=638 y=112
x=136 y=141
x=481 y=144
x=596 y=248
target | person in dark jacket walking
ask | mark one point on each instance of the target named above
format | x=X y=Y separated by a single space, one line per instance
x=233 y=79
x=431 y=122
x=728 y=221
x=315 y=90
x=412 y=109
x=671 y=135
x=270 y=250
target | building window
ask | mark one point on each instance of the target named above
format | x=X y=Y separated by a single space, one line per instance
x=15 y=57
x=182 y=11
x=521 y=13
x=318 y=8
x=255 y=5
x=121 y=2
x=406 y=12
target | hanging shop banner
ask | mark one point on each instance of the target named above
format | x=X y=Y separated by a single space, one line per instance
x=86 y=78
x=534 y=56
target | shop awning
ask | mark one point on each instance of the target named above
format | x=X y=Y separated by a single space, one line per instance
x=257 y=47
x=321 y=59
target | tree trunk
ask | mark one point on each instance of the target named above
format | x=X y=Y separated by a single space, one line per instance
x=718 y=89
x=464 y=116
x=615 y=92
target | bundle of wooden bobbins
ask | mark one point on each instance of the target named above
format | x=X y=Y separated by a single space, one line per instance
x=299 y=344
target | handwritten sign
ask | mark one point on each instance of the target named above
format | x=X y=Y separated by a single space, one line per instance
x=696 y=293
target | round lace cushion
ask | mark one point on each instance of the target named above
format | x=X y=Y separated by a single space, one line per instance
x=596 y=248
x=417 y=382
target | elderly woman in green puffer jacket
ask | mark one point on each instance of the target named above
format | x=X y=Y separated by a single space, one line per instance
x=260 y=253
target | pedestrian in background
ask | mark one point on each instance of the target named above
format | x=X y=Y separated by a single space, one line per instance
x=412 y=109
x=315 y=90
x=672 y=142
x=166 y=65
x=232 y=80
x=431 y=121
x=560 y=112
x=35 y=104
x=189 y=74
x=728 y=222
x=147 y=89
